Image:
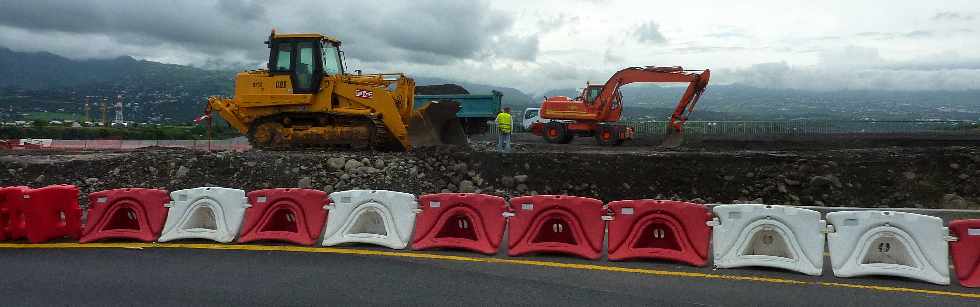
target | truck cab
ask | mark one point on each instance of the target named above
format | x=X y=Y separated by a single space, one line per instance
x=532 y=116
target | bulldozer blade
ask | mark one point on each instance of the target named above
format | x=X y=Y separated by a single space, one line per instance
x=435 y=123
x=674 y=139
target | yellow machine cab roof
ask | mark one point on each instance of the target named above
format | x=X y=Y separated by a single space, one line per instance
x=304 y=35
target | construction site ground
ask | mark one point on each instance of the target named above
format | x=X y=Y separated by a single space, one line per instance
x=866 y=173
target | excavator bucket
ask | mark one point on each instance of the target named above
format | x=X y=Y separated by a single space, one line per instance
x=435 y=123
x=674 y=139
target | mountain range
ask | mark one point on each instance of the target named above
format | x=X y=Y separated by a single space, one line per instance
x=40 y=82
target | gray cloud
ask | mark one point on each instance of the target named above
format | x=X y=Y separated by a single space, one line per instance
x=650 y=33
x=860 y=68
x=435 y=32
x=953 y=16
x=518 y=48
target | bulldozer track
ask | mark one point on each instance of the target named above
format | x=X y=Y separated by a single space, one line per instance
x=379 y=139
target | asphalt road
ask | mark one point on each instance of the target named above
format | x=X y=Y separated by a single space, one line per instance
x=202 y=277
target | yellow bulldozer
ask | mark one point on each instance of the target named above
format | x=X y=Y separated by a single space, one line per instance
x=305 y=98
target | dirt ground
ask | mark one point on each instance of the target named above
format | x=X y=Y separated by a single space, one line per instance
x=907 y=174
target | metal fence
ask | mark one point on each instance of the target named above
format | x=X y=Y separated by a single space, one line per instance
x=232 y=144
x=799 y=129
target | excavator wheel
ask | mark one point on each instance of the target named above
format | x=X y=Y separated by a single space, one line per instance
x=606 y=136
x=556 y=133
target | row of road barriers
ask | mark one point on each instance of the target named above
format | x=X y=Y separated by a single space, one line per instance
x=860 y=242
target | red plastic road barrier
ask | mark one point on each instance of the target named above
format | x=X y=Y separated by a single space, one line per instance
x=554 y=223
x=659 y=229
x=11 y=224
x=291 y=215
x=52 y=212
x=467 y=221
x=966 y=251
x=126 y=213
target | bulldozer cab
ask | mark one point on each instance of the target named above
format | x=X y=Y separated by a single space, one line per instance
x=306 y=58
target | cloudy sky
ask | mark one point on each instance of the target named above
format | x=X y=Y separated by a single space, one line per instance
x=535 y=45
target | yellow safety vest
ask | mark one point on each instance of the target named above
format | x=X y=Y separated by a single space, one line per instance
x=504 y=122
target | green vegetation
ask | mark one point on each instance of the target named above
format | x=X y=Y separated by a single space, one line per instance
x=130 y=133
x=49 y=116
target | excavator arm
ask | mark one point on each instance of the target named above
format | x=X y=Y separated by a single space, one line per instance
x=697 y=81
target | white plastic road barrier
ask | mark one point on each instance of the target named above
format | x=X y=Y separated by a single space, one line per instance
x=889 y=243
x=769 y=236
x=378 y=217
x=211 y=213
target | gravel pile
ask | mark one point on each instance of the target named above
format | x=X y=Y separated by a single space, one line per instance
x=917 y=178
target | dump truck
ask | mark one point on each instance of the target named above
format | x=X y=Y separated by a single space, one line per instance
x=475 y=109
x=305 y=97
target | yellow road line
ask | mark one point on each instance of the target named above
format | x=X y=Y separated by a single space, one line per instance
x=430 y=256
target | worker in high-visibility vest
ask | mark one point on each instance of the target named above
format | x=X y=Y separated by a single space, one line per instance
x=504 y=127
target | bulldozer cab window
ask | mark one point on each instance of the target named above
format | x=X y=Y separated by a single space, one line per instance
x=331 y=60
x=284 y=57
x=303 y=74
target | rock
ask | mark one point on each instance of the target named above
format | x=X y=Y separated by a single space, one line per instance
x=819 y=204
x=750 y=175
x=337 y=163
x=305 y=183
x=626 y=186
x=365 y=161
x=729 y=178
x=909 y=175
x=39 y=179
x=92 y=181
x=466 y=186
x=378 y=163
x=451 y=187
x=352 y=165
x=250 y=163
x=758 y=201
x=825 y=181
x=954 y=166
x=344 y=177
x=791 y=182
x=953 y=201
x=367 y=170
x=507 y=181
x=521 y=178
x=521 y=187
x=782 y=188
x=182 y=171
x=964 y=176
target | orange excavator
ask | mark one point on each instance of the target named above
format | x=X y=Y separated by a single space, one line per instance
x=597 y=111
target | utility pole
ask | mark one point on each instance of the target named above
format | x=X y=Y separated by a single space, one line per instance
x=88 y=109
x=104 y=108
x=119 y=111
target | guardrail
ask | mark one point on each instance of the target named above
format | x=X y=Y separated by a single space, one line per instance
x=232 y=144
x=800 y=128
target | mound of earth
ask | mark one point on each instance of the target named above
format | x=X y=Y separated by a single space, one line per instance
x=933 y=177
x=441 y=89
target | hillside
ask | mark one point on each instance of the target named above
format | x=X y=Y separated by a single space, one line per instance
x=47 y=86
